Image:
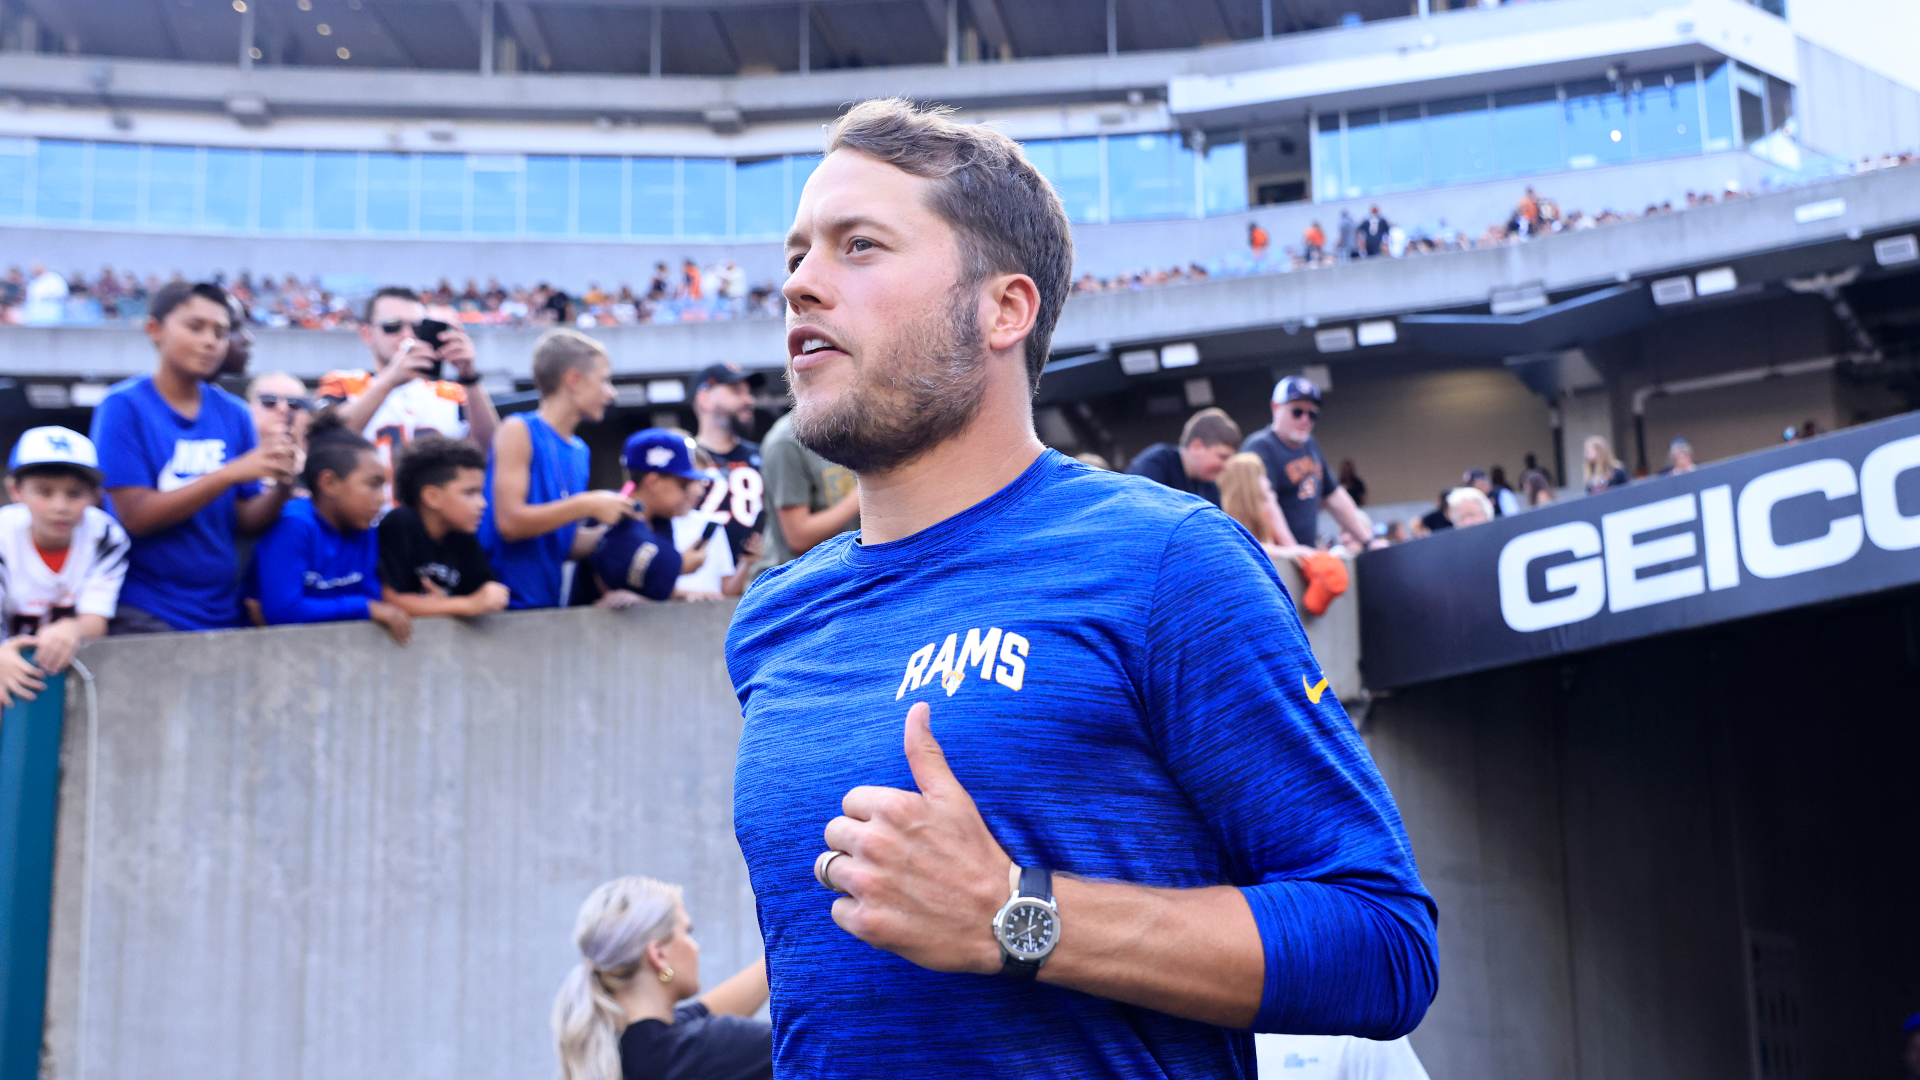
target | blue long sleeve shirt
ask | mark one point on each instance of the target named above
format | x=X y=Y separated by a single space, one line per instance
x=1120 y=681
x=307 y=571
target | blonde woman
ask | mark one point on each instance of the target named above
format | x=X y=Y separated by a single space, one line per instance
x=628 y=1010
x=1248 y=498
x=1604 y=471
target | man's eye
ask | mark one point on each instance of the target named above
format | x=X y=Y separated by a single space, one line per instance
x=860 y=244
x=793 y=264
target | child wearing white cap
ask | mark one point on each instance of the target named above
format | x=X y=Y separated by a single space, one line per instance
x=62 y=558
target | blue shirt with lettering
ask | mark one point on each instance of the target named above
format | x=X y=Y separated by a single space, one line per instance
x=1119 y=679
x=186 y=574
x=306 y=570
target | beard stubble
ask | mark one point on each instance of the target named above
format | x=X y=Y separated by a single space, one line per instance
x=919 y=391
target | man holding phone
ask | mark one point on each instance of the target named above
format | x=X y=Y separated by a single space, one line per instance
x=409 y=393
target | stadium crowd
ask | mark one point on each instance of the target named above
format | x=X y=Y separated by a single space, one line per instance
x=40 y=296
x=397 y=492
x=392 y=494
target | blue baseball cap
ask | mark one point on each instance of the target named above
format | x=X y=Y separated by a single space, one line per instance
x=1294 y=388
x=630 y=555
x=662 y=451
x=1912 y=1025
x=55 y=446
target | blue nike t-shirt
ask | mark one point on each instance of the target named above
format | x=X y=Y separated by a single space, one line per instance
x=186 y=574
x=1120 y=681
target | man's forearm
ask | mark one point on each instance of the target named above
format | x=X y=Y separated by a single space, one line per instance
x=807 y=529
x=529 y=520
x=482 y=418
x=1191 y=953
x=356 y=413
x=257 y=515
x=146 y=510
x=1349 y=515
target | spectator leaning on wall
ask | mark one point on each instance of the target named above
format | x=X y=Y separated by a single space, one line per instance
x=320 y=561
x=537 y=477
x=638 y=555
x=61 y=558
x=431 y=561
x=1298 y=470
x=183 y=469
x=1206 y=442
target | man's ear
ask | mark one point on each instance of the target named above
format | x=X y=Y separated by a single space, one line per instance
x=1016 y=301
x=13 y=490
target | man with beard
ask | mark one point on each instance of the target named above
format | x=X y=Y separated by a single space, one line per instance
x=1145 y=830
x=723 y=403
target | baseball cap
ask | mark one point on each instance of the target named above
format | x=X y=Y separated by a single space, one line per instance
x=1473 y=476
x=1293 y=388
x=55 y=446
x=726 y=374
x=662 y=451
x=1912 y=1025
x=630 y=555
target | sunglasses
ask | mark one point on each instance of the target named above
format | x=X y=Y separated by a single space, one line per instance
x=394 y=326
x=297 y=404
x=1311 y=414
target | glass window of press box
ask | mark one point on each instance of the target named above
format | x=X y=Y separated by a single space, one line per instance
x=1697 y=109
x=190 y=188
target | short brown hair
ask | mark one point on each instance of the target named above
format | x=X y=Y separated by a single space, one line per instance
x=1212 y=427
x=558 y=352
x=1009 y=219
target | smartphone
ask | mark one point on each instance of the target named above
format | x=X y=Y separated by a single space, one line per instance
x=705 y=535
x=428 y=332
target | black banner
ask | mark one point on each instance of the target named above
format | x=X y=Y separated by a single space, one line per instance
x=1802 y=523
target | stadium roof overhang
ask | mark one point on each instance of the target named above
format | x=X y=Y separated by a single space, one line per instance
x=1557 y=42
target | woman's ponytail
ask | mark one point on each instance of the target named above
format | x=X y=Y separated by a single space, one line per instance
x=616 y=924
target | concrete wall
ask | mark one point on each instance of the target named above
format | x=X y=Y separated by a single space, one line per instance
x=312 y=853
x=1851 y=112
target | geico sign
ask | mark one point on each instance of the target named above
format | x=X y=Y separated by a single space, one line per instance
x=1731 y=533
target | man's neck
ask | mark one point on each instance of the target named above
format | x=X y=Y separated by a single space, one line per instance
x=990 y=453
x=180 y=391
x=561 y=415
x=716 y=435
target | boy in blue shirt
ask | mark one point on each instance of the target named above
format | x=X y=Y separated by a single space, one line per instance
x=319 y=562
x=638 y=554
x=537 y=493
x=182 y=469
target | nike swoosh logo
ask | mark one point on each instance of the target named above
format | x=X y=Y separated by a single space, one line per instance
x=1314 y=692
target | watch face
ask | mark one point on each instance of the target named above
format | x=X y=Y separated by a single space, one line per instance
x=1029 y=929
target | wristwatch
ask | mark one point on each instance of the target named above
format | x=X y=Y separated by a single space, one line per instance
x=468 y=380
x=1028 y=928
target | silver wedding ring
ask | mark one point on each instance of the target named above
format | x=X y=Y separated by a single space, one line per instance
x=820 y=866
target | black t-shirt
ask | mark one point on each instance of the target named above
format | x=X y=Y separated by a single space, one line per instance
x=457 y=563
x=1300 y=479
x=1161 y=462
x=742 y=498
x=697 y=1046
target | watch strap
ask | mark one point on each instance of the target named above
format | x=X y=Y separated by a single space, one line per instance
x=1036 y=882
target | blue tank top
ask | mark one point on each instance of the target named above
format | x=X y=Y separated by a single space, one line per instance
x=532 y=568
